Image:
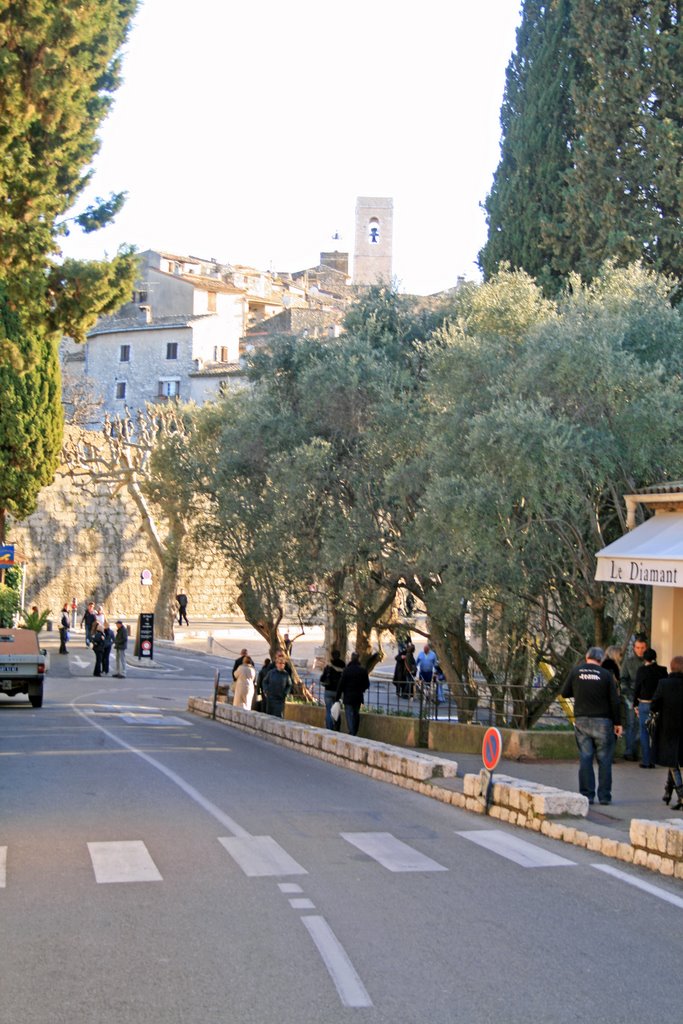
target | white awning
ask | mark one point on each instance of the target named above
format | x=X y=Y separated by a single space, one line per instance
x=651 y=554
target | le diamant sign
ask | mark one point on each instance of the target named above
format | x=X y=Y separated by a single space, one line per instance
x=660 y=573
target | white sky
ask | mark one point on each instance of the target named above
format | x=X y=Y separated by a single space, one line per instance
x=245 y=131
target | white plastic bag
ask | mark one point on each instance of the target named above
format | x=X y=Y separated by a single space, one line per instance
x=335 y=711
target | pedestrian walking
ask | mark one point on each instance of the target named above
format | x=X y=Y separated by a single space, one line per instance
x=243 y=690
x=330 y=679
x=74 y=612
x=64 y=630
x=627 y=682
x=238 y=661
x=120 y=645
x=108 y=634
x=88 y=621
x=668 y=745
x=352 y=686
x=597 y=721
x=182 y=609
x=277 y=685
x=97 y=641
x=647 y=680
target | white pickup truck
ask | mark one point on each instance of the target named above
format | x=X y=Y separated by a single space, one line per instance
x=23 y=664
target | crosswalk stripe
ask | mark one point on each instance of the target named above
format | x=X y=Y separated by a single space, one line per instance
x=127 y=861
x=390 y=852
x=261 y=856
x=527 y=855
x=3 y=867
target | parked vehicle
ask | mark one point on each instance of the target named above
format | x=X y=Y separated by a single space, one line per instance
x=23 y=664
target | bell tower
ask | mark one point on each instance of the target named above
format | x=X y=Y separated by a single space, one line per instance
x=372 y=261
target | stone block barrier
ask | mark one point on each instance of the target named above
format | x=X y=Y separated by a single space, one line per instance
x=658 y=845
x=526 y=799
x=380 y=760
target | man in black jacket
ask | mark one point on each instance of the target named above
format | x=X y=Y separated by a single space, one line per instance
x=597 y=722
x=352 y=686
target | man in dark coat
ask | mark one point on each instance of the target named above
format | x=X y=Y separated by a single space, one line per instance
x=352 y=686
x=597 y=720
x=668 y=745
x=276 y=686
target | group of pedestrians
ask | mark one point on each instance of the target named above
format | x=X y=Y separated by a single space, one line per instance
x=422 y=671
x=266 y=691
x=101 y=637
x=639 y=699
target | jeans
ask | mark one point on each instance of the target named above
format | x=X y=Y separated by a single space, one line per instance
x=630 y=729
x=595 y=739
x=643 y=717
x=352 y=718
x=330 y=699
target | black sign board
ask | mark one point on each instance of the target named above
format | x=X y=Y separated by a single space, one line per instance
x=145 y=644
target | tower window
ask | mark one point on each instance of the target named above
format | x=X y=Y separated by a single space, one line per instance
x=124 y=354
x=373 y=231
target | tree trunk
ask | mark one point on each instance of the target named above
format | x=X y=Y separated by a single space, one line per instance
x=267 y=622
x=336 y=624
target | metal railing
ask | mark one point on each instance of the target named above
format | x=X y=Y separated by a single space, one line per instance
x=435 y=701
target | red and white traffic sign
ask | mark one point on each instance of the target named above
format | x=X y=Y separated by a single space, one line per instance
x=492 y=748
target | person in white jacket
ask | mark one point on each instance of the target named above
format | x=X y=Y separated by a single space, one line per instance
x=245 y=678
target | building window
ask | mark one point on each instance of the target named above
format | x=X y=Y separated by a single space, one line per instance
x=124 y=354
x=373 y=231
x=169 y=388
x=121 y=389
x=172 y=350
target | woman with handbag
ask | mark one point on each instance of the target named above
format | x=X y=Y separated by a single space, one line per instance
x=667 y=703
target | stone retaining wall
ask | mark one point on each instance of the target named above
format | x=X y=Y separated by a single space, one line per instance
x=658 y=845
x=380 y=760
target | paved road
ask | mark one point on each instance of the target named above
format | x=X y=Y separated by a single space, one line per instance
x=162 y=868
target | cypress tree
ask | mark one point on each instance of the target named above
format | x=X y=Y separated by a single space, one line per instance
x=59 y=69
x=623 y=192
x=537 y=124
x=610 y=160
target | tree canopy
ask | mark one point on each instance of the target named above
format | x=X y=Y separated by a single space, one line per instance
x=592 y=142
x=59 y=66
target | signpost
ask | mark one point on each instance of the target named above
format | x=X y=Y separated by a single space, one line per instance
x=491 y=753
x=145 y=642
x=6 y=556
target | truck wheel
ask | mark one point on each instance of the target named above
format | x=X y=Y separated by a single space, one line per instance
x=36 y=700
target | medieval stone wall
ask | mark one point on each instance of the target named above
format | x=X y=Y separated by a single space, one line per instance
x=83 y=543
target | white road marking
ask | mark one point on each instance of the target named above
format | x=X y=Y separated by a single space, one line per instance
x=390 y=852
x=289 y=887
x=640 y=883
x=351 y=990
x=194 y=794
x=518 y=850
x=302 y=904
x=152 y=719
x=261 y=856
x=3 y=867
x=127 y=861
